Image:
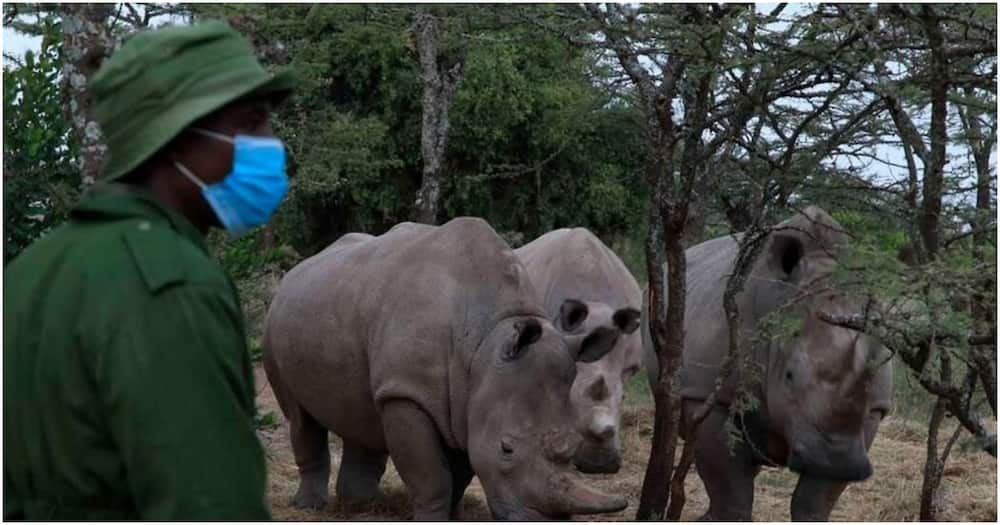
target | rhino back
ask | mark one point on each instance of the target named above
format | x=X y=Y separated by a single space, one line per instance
x=574 y=263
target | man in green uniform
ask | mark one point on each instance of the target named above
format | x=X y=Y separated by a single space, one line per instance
x=128 y=390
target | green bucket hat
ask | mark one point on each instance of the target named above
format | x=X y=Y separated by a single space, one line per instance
x=163 y=80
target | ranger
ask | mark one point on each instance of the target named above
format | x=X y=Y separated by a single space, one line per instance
x=128 y=389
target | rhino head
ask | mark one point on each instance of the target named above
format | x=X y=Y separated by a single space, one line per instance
x=521 y=433
x=817 y=380
x=599 y=388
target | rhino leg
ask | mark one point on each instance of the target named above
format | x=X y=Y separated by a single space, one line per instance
x=360 y=472
x=728 y=476
x=461 y=476
x=420 y=458
x=814 y=498
x=309 y=444
x=312 y=455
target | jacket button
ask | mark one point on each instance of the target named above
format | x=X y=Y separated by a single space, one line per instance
x=144 y=225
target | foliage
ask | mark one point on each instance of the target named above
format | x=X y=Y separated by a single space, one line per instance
x=256 y=349
x=527 y=148
x=266 y=420
x=40 y=177
x=529 y=152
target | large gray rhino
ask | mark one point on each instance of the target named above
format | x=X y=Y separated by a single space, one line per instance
x=584 y=285
x=427 y=344
x=821 y=395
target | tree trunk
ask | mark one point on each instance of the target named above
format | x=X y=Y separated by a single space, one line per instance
x=933 y=467
x=930 y=211
x=656 y=484
x=677 y=496
x=663 y=244
x=86 y=40
x=267 y=237
x=440 y=82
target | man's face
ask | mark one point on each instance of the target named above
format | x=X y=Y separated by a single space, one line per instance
x=211 y=159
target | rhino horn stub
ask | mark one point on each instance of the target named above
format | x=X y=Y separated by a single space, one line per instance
x=867 y=363
x=598 y=390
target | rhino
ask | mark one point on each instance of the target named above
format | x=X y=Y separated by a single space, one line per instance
x=584 y=285
x=822 y=390
x=426 y=344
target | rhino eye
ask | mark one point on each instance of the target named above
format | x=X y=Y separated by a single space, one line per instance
x=506 y=447
x=788 y=376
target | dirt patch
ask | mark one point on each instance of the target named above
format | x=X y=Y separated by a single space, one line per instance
x=891 y=494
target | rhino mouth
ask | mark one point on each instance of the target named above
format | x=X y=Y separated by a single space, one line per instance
x=837 y=469
x=597 y=461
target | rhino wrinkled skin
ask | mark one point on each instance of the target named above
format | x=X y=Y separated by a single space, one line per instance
x=427 y=345
x=823 y=390
x=578 y=277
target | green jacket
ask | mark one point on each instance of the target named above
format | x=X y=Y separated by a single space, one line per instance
x=128 y=390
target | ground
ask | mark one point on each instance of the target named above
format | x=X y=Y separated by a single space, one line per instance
x=891 y=494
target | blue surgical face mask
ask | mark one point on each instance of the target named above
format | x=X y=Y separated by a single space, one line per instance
x=250 y=193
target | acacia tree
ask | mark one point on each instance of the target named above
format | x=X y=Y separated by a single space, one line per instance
x=732 y=98
x=708 y=64
x=669 y=54
x=935 y=72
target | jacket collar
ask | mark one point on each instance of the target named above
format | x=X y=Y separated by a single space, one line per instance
x=118 y=201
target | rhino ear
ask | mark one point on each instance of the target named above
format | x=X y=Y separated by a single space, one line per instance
x=593 y=346
x=787 y=252
x=626 y=319
x=527 y=332
x=572 y=314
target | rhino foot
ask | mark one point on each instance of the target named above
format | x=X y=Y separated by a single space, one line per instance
x=358 y=495
x=308 y=500
x=360 y=472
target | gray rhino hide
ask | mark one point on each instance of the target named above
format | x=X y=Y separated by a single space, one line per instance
x=400 y=329
x=573 y=264
x=706 y=340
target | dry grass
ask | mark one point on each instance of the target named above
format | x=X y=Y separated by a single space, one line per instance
x=892 y=494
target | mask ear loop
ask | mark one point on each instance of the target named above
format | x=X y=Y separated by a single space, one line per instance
x=187 y=173
x=214 y=134
x=184 y=169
